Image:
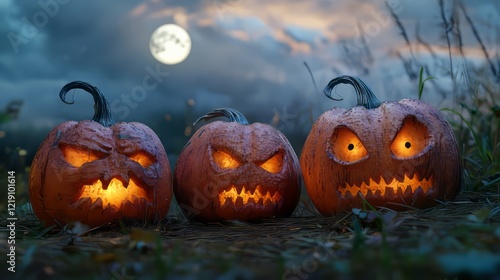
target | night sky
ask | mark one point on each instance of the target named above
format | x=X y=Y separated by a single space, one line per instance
x=245 y=54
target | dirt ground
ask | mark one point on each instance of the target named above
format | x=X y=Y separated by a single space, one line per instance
x=456 y=240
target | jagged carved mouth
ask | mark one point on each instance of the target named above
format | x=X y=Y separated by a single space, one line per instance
x=247 y=197
x=406 y=187
x=113 y=196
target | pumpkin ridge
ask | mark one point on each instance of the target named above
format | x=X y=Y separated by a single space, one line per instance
x=46 y=164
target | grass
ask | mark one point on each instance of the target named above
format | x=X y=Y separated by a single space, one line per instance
x=453 y=240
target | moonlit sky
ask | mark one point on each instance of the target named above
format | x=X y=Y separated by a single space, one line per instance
x=245 y=54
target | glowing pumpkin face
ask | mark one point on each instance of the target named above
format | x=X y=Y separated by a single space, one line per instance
x=392 y=154
x=94 y=173
x=233 y=170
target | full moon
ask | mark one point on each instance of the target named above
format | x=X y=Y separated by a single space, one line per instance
x=170 y=44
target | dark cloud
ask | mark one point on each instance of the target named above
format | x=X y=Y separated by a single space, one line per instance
x=246 y=55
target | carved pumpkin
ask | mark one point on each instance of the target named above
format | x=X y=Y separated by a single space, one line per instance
x=236 y=171
x=391 y=154
x=98 y=171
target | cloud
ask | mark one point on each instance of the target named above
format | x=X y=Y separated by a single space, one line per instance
x=245 y=54
x=139 y=10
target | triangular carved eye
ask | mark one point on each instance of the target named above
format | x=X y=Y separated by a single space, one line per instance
x=78 y=156
x=144 y=159
x=410 y=140
x=225 y=160
x=274 y=164
x=346 y=147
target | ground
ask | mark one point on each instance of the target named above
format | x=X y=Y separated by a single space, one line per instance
x=453 y=240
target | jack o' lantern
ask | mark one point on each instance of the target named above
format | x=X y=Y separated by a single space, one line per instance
x=236 y=171
x=98 y=171
x=390 y=154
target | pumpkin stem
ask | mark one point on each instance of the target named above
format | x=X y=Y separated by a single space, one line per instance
x=102 y=113
x=365 y=96
x=231 y=114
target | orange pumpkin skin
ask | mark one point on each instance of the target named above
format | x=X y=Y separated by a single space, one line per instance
x=255 y=159
x=396 y=154
x=126 y=162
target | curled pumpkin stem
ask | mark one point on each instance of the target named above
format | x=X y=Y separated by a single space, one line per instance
x=231 y=114
x=364 y=94
x=102 y=112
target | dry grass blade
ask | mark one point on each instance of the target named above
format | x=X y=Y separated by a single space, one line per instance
x=447 y=29
x=480 y=41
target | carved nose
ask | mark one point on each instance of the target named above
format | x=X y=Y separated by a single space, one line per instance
x=115 y=169
x=246 y=174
